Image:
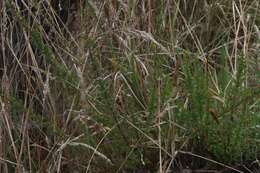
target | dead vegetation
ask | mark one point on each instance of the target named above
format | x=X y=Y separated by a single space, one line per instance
x=127 y=86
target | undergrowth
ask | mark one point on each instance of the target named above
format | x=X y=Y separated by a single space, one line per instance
x=122 y=86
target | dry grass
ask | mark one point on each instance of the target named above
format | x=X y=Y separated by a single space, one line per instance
x=117 y=86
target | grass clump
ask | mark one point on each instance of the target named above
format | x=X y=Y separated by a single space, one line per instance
x=124 y=86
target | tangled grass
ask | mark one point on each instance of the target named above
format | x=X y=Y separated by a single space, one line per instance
x=116 y=86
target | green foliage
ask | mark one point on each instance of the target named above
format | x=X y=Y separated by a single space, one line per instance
x=231 y=137
x=60 y=71
x=158 y=78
